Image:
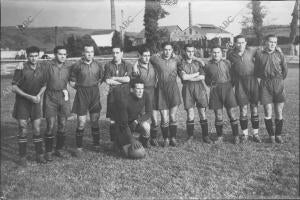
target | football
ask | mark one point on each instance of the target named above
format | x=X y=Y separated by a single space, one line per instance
x=136 y=153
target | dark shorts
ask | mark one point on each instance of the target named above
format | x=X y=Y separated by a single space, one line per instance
x=55 y=104
x=168 y=96
x=222 y=95
x=87 y=99
x=247 y=91
x=25 y=109
x=152 y=95
x=272 y=91
x=119 y=92
x=194 y=94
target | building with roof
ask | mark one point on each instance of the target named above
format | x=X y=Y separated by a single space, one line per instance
x=281 y=31
x=204 y=31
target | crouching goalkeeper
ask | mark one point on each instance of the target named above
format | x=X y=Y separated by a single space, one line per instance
x=132 y=111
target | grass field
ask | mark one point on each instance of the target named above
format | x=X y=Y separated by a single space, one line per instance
x=195 y=171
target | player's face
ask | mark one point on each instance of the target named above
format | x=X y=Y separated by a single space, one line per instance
x=117 y=54
x=61 y=55
x=167 y=52
x=241 y=44
x=145 y=58
x=138 y=90
x=190 y=52
x=88 y=53
x=271 y=43
x=216 y=54
x=33 y=57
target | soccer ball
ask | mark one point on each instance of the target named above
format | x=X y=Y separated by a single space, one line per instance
x=136 y=153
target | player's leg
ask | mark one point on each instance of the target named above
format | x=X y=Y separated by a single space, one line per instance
x=269 y=122
x=255 y=122
x=173 y=125
x=38 y=141
x=49 y=137
x=190 y=123
x=154 y=128
x=165 y=126
x=81 y=121
x=144 y=130
x=204 y=125
x=234 y=124
x=219 y=124
x=244 y=122
x=278 y=108
x=94 y=117
x=61 y=135
x=22 y=141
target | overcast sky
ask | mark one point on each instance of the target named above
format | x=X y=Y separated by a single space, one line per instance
x=96 y=13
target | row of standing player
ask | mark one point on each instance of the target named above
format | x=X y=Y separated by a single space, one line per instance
x=159 y=75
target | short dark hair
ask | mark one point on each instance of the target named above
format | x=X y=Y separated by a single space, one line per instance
x=238 y=37
x=118 y=47
x=135 y=81
x=270 y=36
x=165 y=44
x=32 y=49
x=58 y=48
x=216 y=47
x=87 y=45
x=143 y=50
x=188 y=45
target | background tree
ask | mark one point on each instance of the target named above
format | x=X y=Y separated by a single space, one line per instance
x=255 y=22
x=153 y=13
x=75 y=45
x=293 y=26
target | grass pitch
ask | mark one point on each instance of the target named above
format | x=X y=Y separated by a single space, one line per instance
x=196 y=171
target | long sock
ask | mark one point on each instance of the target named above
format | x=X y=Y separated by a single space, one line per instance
x=38 y=143
x=255 y=124
x=269 y=126
x=22 y=141
x=235 y=127
x=96 y=136
x=79 y=135
x=165 y=130
x=60 y=140
x=190 y=127
x=49 y=143
x=278 y=124
x=204 y=127
x=153 y=131
x=112 y=131
x=244 y=125
x=219 y=127
x=173 y=129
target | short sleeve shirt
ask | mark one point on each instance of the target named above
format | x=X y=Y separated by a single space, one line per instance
x=29 y=80
x=166 y=69
x=191 y=68
x=242 y=65
x=58 y=77
x=218 y=72
x=148 y=75
x=85 y=74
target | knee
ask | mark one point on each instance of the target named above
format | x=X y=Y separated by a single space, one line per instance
x=23 y=129
x=50 y=124
x=146 y=128
x=81 y=124
x=190 y=115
